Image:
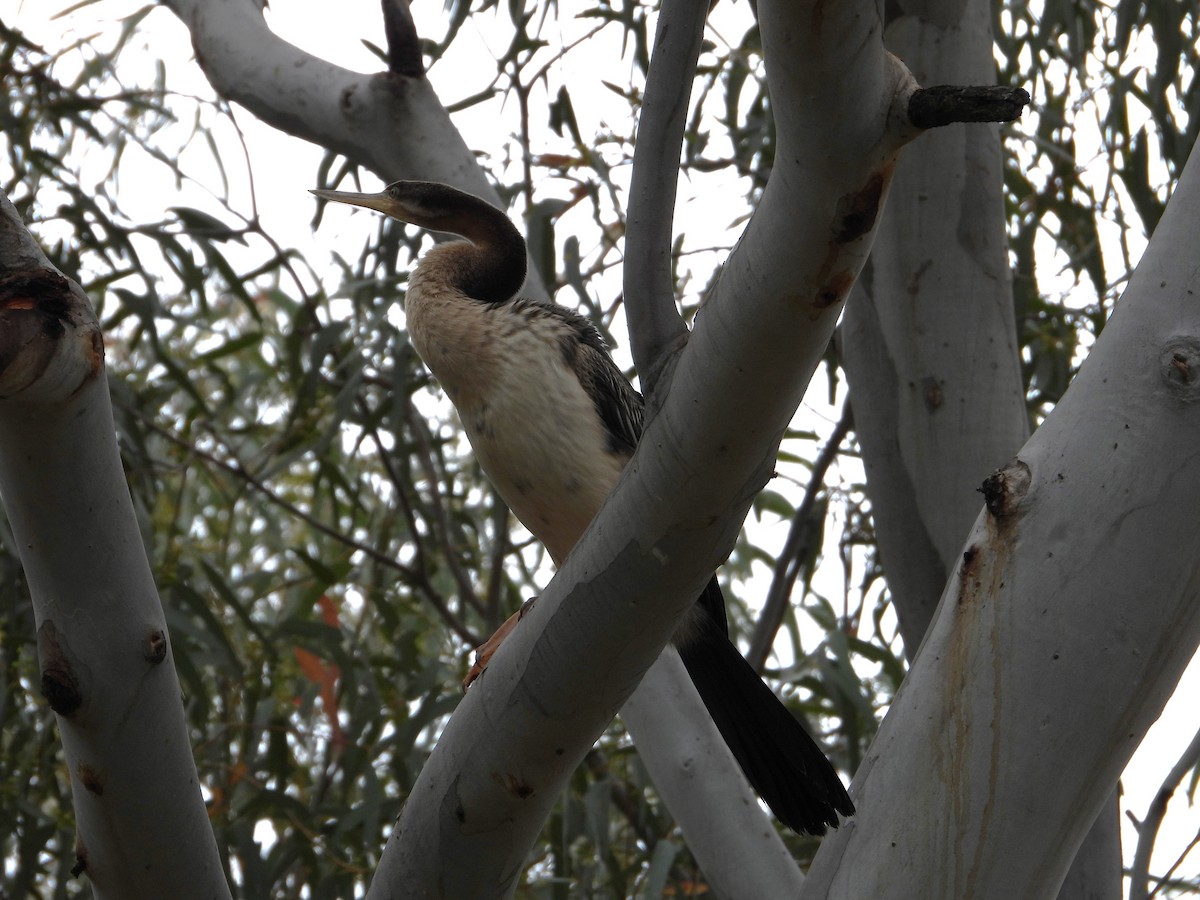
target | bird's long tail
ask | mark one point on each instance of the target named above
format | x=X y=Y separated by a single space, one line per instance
x=783 y=764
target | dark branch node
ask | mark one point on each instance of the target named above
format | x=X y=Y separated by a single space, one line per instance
x=403 y=44
x=940 y=105
x=90 y=779
x=80 y=859
x=1003 y=490
x=857 y=211
x=60 y=687
x=42 y=290
x=154 y=651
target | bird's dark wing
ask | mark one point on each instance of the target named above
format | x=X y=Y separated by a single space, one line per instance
x=617 y=403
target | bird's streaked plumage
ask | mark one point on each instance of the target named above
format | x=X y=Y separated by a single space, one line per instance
x=553 y=421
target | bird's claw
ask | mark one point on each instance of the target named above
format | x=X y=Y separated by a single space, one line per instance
x=485 y=651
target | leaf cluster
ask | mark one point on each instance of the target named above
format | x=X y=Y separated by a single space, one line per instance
x=1113 y=119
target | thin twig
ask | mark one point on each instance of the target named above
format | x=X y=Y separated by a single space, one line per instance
x=1165 y=880
x=412 y=576
x=441 y=524
x=790 y=561
x=1139 y=872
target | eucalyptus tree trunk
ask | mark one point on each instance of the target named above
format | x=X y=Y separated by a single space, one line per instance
x=1047 y=659
x=930 y=349
x=1064 y=627
x=928 y=341
x=107 y=670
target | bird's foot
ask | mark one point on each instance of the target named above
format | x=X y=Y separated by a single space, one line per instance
x=484 y=652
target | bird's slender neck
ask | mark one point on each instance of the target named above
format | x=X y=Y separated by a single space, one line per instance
x=492 y=268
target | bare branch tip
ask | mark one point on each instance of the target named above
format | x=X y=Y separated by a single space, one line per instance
x=944 y=104
x=403 y=42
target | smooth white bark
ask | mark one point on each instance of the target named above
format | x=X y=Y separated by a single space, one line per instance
x=105 y=656
x=930 y=349
x=393 y=125
x=929 y=340
x=737 y=846
x=1073 y=611
x=651 y=310
x=1096 y=873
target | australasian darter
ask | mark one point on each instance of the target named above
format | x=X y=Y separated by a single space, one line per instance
x=553 y=421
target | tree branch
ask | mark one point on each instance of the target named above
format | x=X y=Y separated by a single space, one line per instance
x=1139 y=872
x=1048 y=657
x=936 y=380
x=107 y=669
x=740 y=852
x=369 y=119
x=788 y=564
x=654 y=321
x=403 y=45
x=933 y=107
x=364 y=117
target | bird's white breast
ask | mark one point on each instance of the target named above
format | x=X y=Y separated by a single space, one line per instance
x=534 y=429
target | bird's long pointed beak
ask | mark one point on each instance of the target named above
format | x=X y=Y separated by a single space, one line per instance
x=380 y=202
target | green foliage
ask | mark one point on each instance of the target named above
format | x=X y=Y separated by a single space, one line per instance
x=325 y=547
x=1113 y=119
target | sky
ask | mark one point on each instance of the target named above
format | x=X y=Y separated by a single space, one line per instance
x=284 y=168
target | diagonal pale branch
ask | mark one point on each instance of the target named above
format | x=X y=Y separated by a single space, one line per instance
x=364 y=117
x=741 y=854
x=675 y=514
x=107 y=669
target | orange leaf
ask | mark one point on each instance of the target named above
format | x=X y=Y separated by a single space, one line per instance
x=326 y=677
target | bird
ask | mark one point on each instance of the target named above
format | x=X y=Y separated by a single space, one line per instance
x=552 y=421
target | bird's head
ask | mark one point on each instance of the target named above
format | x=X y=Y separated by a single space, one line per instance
x=426 y=204
x=492 y=270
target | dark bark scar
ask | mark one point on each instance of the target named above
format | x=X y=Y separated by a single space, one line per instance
x=968 y=575
x=834 y=290
x=515 y=785
x=856 y=212
x=81 y=857
x=154 y=651
x=60 y=687
x=1003 y=491
x=90 y=779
